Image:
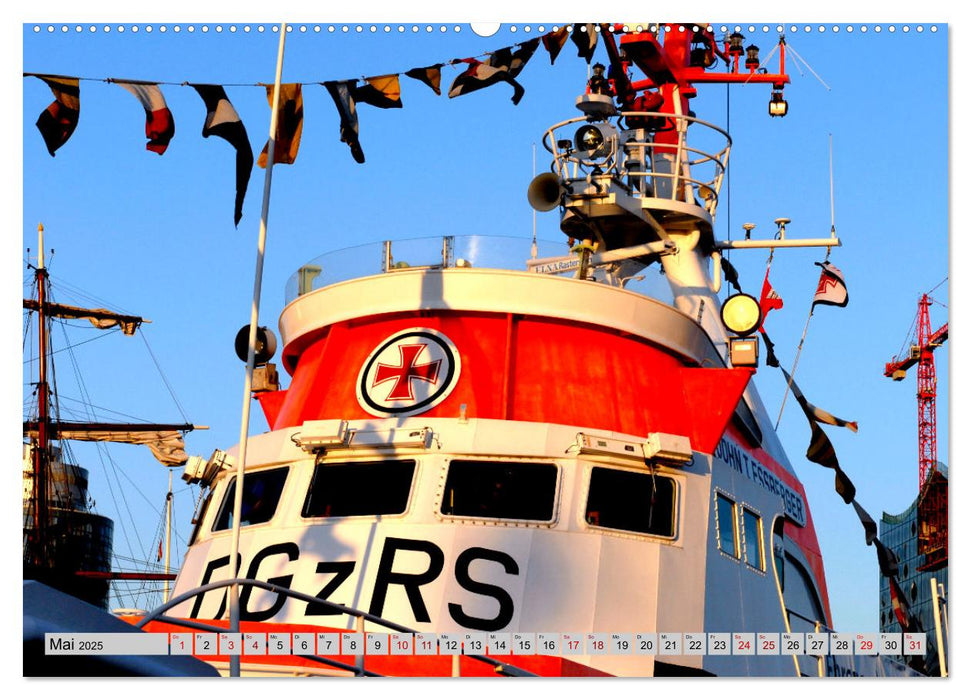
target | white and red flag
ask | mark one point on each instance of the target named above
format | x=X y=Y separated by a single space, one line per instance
x=832 y=288
x=769 y=299
x=159 y=124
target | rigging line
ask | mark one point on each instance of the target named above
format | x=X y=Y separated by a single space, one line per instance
x=938 y=285
x=763 y=64
x=792 y=372
x=102 y=408
x=911 y=332
x=83 y=342
x=82 y=294
x=165 y=380
x=102 y=453
x=806 y=63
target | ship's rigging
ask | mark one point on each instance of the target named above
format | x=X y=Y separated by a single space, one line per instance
x=65 y=542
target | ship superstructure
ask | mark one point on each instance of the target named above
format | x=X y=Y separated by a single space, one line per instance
x=469 y=448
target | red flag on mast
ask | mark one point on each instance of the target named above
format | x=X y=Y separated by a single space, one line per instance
x=769 y=299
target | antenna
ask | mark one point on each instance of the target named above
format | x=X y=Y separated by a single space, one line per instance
x=533 y=248
x=832 y=200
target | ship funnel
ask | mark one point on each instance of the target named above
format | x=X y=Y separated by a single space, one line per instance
x=545 y=192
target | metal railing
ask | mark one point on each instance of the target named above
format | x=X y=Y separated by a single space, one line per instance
x=358 y=669
x=669 y=175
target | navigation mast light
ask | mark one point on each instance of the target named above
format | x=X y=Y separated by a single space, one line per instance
x=735 y=44
x=778 y=107
x=752 y=57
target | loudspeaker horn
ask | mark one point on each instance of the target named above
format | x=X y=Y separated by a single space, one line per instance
x=544 y=192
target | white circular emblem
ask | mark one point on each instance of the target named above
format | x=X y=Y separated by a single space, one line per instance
x=408 y=373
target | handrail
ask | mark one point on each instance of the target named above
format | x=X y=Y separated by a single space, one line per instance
x=157 y=615
x=680 y=180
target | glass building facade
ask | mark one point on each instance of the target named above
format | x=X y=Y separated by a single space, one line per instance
x=900 y=533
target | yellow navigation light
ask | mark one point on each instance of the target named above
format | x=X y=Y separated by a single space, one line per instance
x=778 y=107
x=741 y=314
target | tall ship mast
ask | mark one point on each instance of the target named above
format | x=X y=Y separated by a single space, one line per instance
x=65 y=544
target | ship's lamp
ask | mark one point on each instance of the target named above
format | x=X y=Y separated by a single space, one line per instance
x=593 y=141
x=735 y=44
x=752 y=57
x=741 y=314
x=778 y=107
x=743 y=352
x=589 y=138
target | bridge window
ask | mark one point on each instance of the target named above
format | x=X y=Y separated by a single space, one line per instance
x=631 y=501
x=726 y=525
x=506 y=490
x=261 y=494
x=344 y=489
x=752 y=537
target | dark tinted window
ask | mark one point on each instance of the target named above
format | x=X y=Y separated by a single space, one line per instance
x=752 y=530
x=633 y=501
x=200 y=517
x=261 y=494
x=727 y=527
x=510 y=490
x=359 y=488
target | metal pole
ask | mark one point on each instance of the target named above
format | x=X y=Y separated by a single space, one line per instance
x=251 y=354
x=168 y=536
x=42 y=453
x=937 y=627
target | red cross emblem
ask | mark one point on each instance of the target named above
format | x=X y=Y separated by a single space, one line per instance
x=405 y=371
x=408 y=373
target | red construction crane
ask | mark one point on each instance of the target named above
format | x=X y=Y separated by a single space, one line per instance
x=922 y=355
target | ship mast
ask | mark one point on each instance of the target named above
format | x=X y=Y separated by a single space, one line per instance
x=47 y=555
x=38 y=549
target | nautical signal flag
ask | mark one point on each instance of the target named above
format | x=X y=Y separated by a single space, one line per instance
x=159 y=124
x=60 y=119
x=382 y=91
x=289 y=125
x=831 y=289
x=585 y=38
x=821 y=450
x=341 y=93
x=554 y=42
x=223 y=121
x=502 y=66
x=769 y=300
x=430 y=75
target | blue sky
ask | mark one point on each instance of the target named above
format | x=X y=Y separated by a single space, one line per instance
x=154 y=235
